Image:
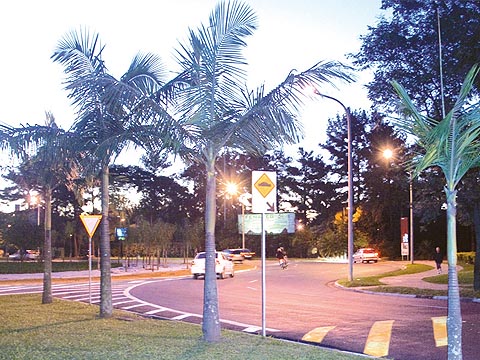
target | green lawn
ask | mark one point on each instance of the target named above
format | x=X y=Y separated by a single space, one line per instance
x=376 y=279
x=465 y=279
x=72 y=330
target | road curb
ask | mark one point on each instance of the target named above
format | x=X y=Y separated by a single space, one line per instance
x=434 y=297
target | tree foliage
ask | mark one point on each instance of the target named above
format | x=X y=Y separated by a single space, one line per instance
x=404 y=46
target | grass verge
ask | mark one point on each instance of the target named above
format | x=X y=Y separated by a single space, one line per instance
x=375 y=280
x=465 y=279
x=32 y=267
x=72 y=330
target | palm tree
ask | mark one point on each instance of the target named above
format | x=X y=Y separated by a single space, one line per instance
x=453 y=145
x=52 y=165
x=111 y=116
x=217 y=112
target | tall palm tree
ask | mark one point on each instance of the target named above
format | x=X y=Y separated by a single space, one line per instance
x=52 y=164
x=453 y=145
x=111 y=116
x=217 y=112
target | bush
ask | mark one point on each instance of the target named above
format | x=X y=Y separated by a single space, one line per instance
x=466 y=257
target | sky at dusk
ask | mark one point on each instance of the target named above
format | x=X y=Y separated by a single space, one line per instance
x=291 y=35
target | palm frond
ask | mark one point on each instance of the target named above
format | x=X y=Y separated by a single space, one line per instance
x=452 y=143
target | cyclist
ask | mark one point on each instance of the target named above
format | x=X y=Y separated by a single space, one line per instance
x=282 y=257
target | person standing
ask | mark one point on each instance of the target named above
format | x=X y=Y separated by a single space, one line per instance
x=438 y=259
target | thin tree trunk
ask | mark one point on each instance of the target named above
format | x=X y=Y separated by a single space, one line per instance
x=211 y=318
x=47 y=250
x=476 y=223
x=106 y=308
x=454 y=318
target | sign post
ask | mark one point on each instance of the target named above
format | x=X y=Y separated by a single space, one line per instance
x=264 y=200
x=90 y=222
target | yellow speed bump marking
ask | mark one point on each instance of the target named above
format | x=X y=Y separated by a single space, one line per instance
x=440 y=330
x=378 y=341
x=317 y=334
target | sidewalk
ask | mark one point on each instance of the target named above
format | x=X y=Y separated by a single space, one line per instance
x=415 y=280
x=172 y=265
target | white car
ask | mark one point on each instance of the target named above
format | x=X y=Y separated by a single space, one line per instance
x=223 y=266
x=365 y=255
x=27 y=255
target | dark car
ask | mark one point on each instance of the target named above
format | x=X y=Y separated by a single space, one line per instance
x=247 y=253
x=234 y=254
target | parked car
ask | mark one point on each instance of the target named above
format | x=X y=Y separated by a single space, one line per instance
x=365 y=255
x=247 y=253
x=223 y=266
x=27 y=255
x=234 y=254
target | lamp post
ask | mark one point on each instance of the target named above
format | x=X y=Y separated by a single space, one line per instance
x=350 y=184
x=388 y=154
x=244 y=200
x=35 y=200
x=410 y=205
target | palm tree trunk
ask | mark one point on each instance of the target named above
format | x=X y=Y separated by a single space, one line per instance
x=454 y=319
x=211 y=321
x=106 y=308
x=47 y=249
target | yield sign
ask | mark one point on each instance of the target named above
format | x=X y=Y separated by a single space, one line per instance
x=91 y=223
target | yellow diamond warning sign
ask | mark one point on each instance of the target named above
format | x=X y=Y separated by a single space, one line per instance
x=264 y=185
x=264 y=192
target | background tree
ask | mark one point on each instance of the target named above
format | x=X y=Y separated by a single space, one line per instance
x=404 y=46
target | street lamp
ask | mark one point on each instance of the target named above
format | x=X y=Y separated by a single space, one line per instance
x=244 y=200
x=35 y=200
x=350 y=184
x=388 y=154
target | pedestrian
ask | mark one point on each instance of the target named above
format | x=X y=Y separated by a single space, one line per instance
x=438 y=259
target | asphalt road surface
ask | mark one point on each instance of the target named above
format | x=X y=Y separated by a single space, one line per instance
x=303 y=304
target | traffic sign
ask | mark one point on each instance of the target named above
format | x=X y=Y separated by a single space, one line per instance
x=264 y=192
x=90 y=222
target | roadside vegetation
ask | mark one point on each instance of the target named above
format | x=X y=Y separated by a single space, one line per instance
x=374 y=280
x=33 y=334
x=32 y=267
x=465 y=279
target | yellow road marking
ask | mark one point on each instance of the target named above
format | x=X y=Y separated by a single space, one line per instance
x=440 y=330
x=317 y=335
x=378 y=341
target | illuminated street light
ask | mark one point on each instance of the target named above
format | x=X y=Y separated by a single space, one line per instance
x=35 y=200
x=244 y=199
x=388 y=154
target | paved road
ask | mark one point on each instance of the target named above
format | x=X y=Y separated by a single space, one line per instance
x=302 y=304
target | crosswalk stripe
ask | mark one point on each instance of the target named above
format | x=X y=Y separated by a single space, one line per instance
x=378 y=341
x=440 y=330
x=317 y=334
